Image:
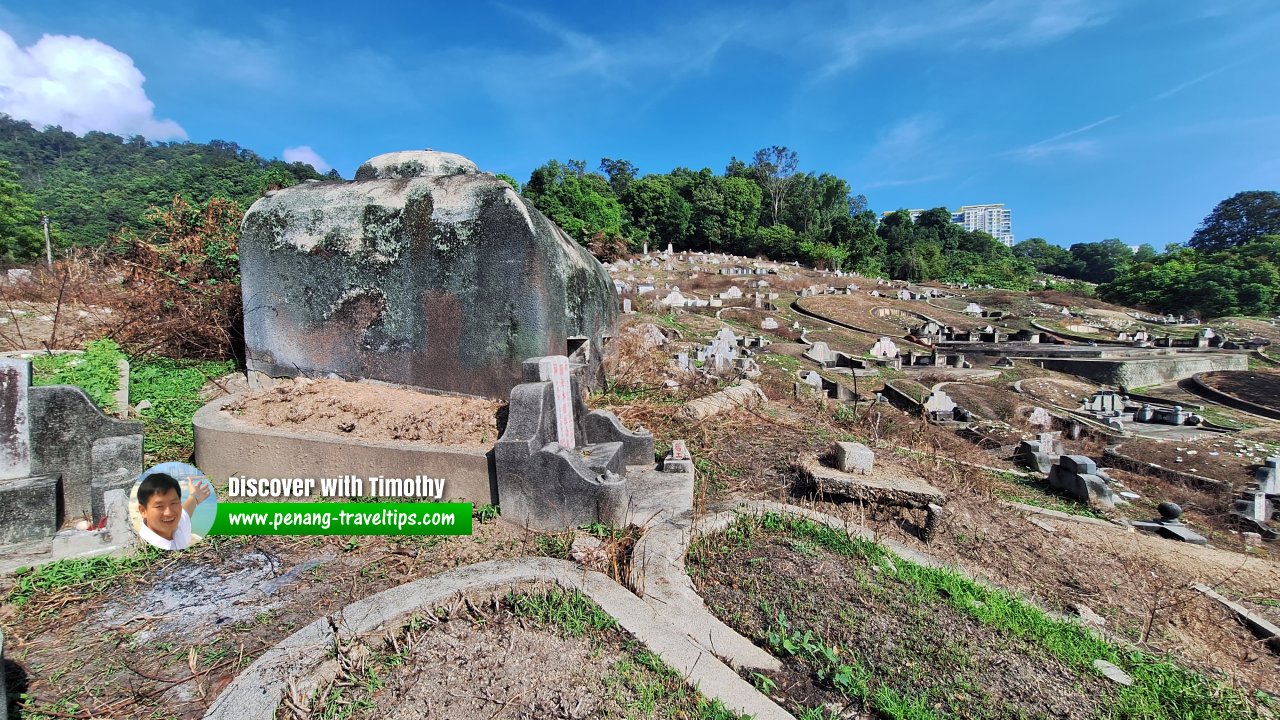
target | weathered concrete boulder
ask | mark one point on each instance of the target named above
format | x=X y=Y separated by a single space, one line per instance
x=4 y=695
x=424 y=272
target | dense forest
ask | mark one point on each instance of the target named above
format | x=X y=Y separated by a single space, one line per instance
x=92 y=186
x=100 y=187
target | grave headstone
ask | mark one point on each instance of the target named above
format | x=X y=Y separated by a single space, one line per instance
x=851 y=457
x=626 y=305
x=555 y=472
x=884 y=348
x=821 y=353
x=938 y=404
x=769 y=324
x=1268 y=476
x=15 y=437
x=1040 y=417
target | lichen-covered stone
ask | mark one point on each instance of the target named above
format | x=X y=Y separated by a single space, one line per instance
x=423 y=272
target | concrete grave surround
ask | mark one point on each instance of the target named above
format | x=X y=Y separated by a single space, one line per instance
x=422 y=272
x=545 y=485
x=61 y=455
x=4 y=695
x=1079 y=477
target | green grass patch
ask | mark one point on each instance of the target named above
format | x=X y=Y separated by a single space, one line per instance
x=87 y=576
x=96 y=371
x=172 y=387
x=1161 y=690
x=571 y=612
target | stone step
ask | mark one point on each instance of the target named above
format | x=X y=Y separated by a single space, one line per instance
x=29 y=508
x=600 y=457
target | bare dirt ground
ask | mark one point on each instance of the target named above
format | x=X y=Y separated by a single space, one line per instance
x=371 y=412
x=481 y=661
x=1061 y=392
x=169 y=636
x=1256 y=386
x=1225 y=457
x=38 y=325
x=984 y=401
x=1139 y=583
x=856 y=310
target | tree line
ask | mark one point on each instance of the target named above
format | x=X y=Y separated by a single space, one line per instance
x=1229 y=266
x=765 y=207
x=100 y=186
x=93 y=186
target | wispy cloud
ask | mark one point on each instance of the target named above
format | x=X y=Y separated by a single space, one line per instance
x=906 y=139
x=899 y=183
x=993 y=25
x=1042 y=150
x=1193 y=81
x=304 y=154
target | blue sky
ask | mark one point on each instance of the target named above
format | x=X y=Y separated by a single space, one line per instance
x=1088 y=119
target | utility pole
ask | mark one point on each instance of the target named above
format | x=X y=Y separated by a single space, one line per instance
x=48 y=247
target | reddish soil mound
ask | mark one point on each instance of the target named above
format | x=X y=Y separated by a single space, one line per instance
x=371 y=412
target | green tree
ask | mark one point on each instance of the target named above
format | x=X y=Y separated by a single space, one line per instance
x=581 y=203
x=514 y=183
x=1238 y=219
x=1099 y=262
x=658 y=213
x=20 y=238
x=620 y=174
x=1042 y=255
x=1145 y=253
x=773 y=168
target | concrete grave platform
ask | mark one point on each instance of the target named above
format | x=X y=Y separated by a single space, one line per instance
x=879 y=488
x=226 y=446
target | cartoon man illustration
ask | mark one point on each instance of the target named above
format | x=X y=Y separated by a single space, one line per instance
x=166 y=517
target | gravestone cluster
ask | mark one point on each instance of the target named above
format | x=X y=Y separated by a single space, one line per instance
x=59 y=456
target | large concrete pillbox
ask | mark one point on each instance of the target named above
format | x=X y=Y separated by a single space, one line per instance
x=422 y=272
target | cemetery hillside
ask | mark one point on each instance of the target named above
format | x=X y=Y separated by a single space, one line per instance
x=723 y=444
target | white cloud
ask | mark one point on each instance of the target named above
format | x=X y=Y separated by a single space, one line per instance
x=304 y=154
x=79 y=84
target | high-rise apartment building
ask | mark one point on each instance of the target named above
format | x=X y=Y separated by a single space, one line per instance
x=995 y=220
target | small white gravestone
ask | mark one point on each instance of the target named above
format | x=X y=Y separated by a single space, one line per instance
x=679 y=451
x=884 y=348
x=626 y=305
x=821 y=352
x=768 y=324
